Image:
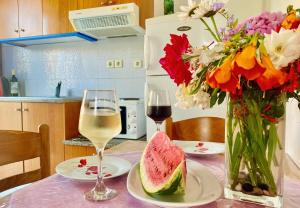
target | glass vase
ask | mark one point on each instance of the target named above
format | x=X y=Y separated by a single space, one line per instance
x=255 y=137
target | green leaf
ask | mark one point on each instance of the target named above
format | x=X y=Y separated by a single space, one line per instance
x=222 y=96
x=272 y=141
x=214 y=97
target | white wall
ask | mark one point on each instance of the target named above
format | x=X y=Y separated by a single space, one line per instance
x=280 y=5
x=240 y=10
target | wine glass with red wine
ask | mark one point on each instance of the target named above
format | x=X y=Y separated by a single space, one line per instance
x=158 y=106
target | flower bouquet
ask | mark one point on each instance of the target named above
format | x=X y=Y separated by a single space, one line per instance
x=256 y=65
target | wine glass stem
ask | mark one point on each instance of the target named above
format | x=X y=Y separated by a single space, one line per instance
x=100 y=187
x=158 y=125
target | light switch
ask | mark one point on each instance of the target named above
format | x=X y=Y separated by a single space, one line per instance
x=137 y=64
x=119 y=63
x=110 y=64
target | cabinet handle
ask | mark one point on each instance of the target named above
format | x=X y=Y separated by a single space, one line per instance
x=22 y=29
x=18 y=109
x=107 y=2
x=16 y=30
x=26 y=110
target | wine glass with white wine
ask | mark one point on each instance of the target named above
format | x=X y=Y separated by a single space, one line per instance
x=100 y=121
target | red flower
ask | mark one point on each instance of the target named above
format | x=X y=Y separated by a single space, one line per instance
x=292 y=79
x=272 y=77
x=173 y=62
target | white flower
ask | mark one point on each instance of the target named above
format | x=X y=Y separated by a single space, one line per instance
x=211 y=54
x=203 y=8
x=283 y=47
x=185 y=101
x=197 y=11
x=186 y=11
x=202 y=99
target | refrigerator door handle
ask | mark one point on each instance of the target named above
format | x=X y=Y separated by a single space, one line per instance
x=146 y=51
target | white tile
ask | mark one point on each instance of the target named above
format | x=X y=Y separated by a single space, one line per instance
x=78 y=65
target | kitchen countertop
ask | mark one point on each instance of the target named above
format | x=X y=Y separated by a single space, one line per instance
x=41 y=99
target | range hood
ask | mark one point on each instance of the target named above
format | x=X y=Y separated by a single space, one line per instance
x=110 y=21
x=47 y=39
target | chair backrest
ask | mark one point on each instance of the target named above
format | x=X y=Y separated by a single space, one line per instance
x=16 y=146
x=199 y=129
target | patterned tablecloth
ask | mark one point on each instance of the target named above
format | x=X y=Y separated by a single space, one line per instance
x=57 y=191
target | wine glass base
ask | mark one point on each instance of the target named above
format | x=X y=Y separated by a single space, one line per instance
x=100 y=196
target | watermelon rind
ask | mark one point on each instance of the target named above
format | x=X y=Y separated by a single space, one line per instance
x=175 y=184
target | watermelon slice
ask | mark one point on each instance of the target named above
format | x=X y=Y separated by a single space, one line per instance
x=163 y=167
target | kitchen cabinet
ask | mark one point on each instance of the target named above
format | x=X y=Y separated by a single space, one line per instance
x=85 y=4
x=30 y=17
x=62 y=119
x=56 y=16
x=72 y=151
x=19 y=18
x=9 y=19
x=10 y=115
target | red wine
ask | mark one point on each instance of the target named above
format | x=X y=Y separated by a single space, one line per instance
x=159 y=113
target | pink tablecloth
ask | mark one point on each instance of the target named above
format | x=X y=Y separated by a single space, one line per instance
x=57 y=191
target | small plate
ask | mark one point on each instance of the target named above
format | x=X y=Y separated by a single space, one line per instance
x=200 y=148
x=202 y=187
x=73 y=169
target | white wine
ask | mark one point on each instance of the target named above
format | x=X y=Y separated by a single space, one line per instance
x=100 y=127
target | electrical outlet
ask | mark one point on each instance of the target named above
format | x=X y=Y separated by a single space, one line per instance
x=137 y=64
x=119 y=63
x=110 y=64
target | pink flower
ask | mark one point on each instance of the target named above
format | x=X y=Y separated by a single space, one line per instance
x=265 y=23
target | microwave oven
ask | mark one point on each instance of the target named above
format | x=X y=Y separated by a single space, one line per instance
x=133 y=118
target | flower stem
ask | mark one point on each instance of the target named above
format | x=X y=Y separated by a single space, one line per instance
x=216 y=28
x=209 y=30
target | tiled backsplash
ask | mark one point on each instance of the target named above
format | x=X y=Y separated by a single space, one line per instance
x=79 y=65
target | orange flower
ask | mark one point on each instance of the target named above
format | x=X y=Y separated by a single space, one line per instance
x=272 y=77
x=291 y=21
x=223 y=77
x=247 y=65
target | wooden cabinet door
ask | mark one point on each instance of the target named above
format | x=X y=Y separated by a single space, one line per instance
x=84 y=4
x=56 y=16
x=9 y=19
x=10 y=116
x=51 y=114
x=30 y=17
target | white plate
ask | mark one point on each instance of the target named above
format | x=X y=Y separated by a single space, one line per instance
x=200 y=148
x=112 y=167
x=202 y=187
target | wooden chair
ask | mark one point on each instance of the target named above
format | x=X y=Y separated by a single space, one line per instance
x=16 y=146
x=197 y=129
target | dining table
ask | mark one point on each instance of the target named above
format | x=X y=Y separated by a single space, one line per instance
x=57 y=191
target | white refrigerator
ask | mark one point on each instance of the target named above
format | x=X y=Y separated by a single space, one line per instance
x=157 y=35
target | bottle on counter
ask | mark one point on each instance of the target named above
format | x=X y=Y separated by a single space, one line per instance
x=168 y=7
x=14 y=84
